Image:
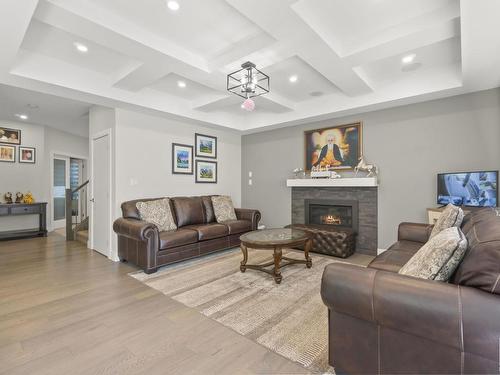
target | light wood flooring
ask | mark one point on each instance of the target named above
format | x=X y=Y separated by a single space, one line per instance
x=65 y=309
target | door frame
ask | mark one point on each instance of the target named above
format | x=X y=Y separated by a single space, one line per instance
x=53 y=155
x=105 y=133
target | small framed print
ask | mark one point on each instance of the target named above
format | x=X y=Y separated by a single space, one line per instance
x=206 y=171
x=182 y=159
x=206 y=146
x=27 y=155
x=7 y=154
x=10 y=136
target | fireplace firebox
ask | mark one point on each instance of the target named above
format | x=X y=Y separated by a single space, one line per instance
x=332 y=213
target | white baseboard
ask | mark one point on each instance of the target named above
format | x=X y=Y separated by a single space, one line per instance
x=380 y=251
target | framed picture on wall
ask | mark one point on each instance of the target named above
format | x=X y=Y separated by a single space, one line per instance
x=7 y=154
x=182 y=159
x=27 y=155
x=10 y=136
x=206 y=146
x=206 y=171
x=334 y=148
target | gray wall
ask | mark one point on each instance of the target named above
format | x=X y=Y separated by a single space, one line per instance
x=410 y=144
x=35 y=177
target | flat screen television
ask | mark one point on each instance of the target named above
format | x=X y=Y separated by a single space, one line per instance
x=472 y=189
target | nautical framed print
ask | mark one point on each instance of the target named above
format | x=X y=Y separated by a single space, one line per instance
x=206 y=171
x=206 y=146
x=182 y=159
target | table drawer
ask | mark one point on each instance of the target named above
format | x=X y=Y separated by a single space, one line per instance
x=25 y=210
x=4 y=210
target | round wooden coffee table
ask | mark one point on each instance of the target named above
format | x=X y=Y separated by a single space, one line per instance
x=276 y=240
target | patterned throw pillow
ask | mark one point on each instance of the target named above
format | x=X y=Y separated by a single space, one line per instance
x=157 y=212
x=439 y=257
x=223 y=208
x=452 y=216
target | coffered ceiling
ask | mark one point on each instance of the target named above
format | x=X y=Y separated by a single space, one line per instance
x=345 y=55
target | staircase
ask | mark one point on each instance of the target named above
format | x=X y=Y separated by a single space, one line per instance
x=82 y=236
x=77 y=220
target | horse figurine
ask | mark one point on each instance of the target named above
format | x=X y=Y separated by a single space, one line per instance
x=364 y=166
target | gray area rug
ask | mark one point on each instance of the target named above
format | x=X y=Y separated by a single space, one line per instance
x=289 y=319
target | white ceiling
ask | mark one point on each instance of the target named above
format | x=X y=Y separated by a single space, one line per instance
x=63 y=114
x=345 y=54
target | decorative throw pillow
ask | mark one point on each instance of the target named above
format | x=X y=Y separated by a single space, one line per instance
x=439 y=257
x=223 y=208
x=451 y=216
x=157 y=212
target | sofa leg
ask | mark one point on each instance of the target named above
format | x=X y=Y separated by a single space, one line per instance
x=122 y=260
x=150 y=270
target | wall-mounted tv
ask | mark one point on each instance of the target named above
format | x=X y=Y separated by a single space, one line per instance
x=473 y=189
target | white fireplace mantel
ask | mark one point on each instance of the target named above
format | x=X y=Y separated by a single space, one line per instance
x=333 y=182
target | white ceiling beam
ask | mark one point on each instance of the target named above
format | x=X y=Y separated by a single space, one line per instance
x=480 y=43
x=279 y=20
x=211 y=100
x=241 y=48
x=448 y=14
x=15 y=18
x=99 y=22
x=406 y=43
x=142 y=76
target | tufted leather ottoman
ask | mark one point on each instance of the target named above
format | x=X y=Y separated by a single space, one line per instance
x=330 y=241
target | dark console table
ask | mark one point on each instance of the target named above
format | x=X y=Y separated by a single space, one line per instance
x=16 y=209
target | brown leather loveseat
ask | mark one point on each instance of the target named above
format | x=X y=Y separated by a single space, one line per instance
x=381 y=322
x=198 y=232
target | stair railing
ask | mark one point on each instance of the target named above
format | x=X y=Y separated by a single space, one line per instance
x=74 y=223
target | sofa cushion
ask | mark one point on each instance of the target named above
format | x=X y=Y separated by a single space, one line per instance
x=223 y=208
x=209 y=231
x=396 y=256
x=176 y=238
x=238 y=226
x=451 y=216
x=209 y=209
x=158 y=213
x=481 y=266
x=130 y=211
x=439 y=257
x=188 y=210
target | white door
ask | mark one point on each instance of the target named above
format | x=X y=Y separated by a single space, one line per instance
x=100 y=200
x=60 y=182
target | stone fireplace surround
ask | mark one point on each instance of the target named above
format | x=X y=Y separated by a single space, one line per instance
x=366 y=239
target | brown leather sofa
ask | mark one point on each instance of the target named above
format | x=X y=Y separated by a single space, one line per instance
x=381 y=322
x=198 y=232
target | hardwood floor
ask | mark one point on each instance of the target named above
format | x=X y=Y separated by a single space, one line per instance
x=65 y=309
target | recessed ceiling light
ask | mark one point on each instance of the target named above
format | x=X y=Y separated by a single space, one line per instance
x=81 y=47
x=408 y=59
x=173 y=5
x=181 y=84
x=293 y=79
x=22 y=116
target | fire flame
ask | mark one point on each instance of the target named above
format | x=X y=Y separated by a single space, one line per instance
x=331 y=219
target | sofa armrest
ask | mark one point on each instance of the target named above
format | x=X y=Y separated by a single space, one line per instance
x=250 y=215
x=135 y=229
x=416 y=232
x=451 y=315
